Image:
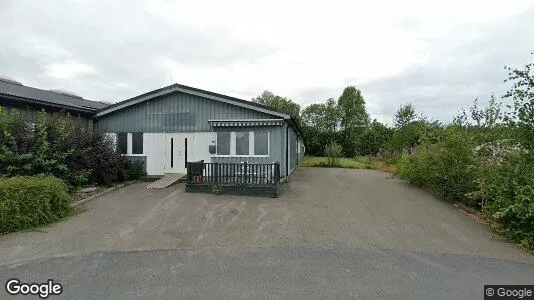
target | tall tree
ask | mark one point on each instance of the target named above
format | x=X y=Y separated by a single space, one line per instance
x=354 y=119
x=322 y=116
x=405 y=115
x=278 y=103
x=374 y=139
x=352 y=109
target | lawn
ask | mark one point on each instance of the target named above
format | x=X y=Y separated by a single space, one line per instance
x=350 y=163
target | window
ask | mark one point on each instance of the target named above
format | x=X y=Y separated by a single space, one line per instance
x=223 y=143
x=122 y=143
x=137 y=143
x=261 y=143
x=242 y=144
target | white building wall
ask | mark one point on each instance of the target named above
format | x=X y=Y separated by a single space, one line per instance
x=154 y=145
x=154 y=149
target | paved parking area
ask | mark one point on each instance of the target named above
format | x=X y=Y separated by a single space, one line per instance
x=320 y=208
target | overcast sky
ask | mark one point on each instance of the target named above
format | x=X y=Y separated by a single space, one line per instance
x=438 y=55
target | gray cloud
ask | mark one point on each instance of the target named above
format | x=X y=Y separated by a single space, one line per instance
x=468 y=64
x=120 y=41
x=124 y=43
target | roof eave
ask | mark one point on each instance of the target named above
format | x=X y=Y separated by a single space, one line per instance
x=176 y=88
x=49 y=104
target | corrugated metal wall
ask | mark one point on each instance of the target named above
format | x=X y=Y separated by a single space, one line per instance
x=292 y=149
x=180 y=112
x=301 y=154
x=177 y=112
x=276 y=151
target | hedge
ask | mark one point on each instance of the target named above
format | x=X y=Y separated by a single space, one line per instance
x=27 y=202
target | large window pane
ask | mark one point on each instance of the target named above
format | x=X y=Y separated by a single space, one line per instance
x=122 y=143
x=241 y=143
x=223 y=143
x=261 y=143
x=137 y=143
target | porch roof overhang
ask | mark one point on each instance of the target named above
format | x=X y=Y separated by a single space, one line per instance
x=246 y=123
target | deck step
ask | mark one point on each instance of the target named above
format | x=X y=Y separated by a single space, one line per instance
x=165 y=181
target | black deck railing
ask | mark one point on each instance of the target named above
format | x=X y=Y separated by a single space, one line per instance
x=236 y=174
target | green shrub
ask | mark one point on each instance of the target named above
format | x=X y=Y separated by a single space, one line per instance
x=506 y=181
x=60 y=145
x=26 y=202
x=333 y=152
x=506 y=191
x=135 y=170
x=445 y=167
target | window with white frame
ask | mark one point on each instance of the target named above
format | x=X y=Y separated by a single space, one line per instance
x=243 y=143
x=129 y=143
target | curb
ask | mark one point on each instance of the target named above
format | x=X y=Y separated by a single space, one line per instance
x=77 y=203
x=471 y=212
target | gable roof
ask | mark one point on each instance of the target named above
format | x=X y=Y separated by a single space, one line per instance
x=26 y=94
x=192 y=91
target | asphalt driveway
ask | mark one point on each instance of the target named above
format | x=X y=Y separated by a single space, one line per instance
x=351 y=232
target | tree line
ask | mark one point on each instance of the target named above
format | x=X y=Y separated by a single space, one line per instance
x=484 y=158
x=346 y=122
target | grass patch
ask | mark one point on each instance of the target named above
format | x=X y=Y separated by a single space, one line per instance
x=350 y=163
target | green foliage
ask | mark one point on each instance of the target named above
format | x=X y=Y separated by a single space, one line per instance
x=352 y=109
x=325 y=117
x=345 y=122
x=350 y=163
x=57 y=144
x=333 y=152
x=408 y=136
x=522 y=95
x=278 y=103
x=405 y=115
x=506 y=181
x=485 y=159
x=374 y=139
x=506 y=192
x=135 y=170
x=354 y=119
x=26 y=202
x=445 y=166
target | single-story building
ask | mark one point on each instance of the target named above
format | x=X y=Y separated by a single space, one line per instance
x=169 y=127
x=177 y=124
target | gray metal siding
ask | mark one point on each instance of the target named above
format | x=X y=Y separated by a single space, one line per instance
x=292 y=149
x=177 y=112
x=301 y=154
x=276 y=152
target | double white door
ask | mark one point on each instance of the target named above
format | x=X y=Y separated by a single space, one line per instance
x=177 y=149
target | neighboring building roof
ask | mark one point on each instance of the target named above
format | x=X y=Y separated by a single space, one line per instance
x=192 y=91
x=59 y=99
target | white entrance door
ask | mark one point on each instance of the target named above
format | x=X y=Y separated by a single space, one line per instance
x=177 y=151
